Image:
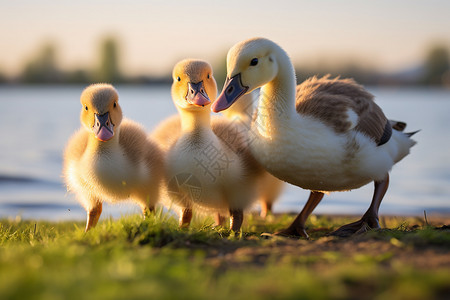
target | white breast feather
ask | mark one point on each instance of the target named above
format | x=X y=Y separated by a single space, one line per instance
x=311 y=155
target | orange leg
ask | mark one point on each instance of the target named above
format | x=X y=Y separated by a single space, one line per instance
x=93 y=215
x=219 y=219
x=186 y=217
x=266 y=208
x=297 y=228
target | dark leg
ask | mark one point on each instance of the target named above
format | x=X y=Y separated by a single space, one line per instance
x=93 y=215
x=297 y=228
x=147 y=210
x=266 y=208
x=219 y=219
x=370 y=219
x=236 y=219
x=186 y=217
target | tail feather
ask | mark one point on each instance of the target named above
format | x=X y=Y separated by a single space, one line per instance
x=410 y=134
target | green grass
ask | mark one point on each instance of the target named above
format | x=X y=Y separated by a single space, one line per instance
x=132 y=258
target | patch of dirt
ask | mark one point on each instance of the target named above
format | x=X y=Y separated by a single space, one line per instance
x=376 y=246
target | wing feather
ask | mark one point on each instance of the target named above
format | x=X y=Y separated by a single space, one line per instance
x=329 y=100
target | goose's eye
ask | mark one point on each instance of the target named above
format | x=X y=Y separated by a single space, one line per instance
x=178 y=78
x=85 y=107
x=254 y=62
x=115 y=104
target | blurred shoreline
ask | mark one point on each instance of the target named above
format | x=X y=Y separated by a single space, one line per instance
x=37 y=120
x=43 y=67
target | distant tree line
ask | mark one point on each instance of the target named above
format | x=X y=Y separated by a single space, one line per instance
x=437 y=66
x=43 y=68
x=433 y=71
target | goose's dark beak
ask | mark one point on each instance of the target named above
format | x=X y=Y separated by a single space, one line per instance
x=232 y=90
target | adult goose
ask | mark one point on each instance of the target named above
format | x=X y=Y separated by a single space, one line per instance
x=325 y=135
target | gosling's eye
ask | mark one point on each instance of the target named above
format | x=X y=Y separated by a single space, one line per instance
x=115 y=104
x=254 y=62
x=178 y=78
x=208 y=76
x=85 y=107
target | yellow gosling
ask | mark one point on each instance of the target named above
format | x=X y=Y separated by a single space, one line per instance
x=110 y=158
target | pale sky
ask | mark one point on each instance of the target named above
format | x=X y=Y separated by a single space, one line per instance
x=154 y=35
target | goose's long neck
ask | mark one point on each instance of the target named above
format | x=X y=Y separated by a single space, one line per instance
x=277 y=98
x=193 y=121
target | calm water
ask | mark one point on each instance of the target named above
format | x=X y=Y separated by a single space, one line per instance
x=36 y=122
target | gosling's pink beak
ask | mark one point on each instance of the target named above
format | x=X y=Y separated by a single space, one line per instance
x=197 y=95
x=103 y=127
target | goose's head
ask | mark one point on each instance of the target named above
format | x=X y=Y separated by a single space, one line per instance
x=250 y=64
x=194 y=86
x=101 y=112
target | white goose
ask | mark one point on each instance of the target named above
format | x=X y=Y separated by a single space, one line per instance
x=110 y=158
x=331 y=137
x=269 y=187
x=205 y=169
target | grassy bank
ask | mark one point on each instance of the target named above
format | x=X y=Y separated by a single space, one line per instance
x=133 y=258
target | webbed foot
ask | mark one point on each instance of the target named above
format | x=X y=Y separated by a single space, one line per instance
x=293 y=232
x=364 y=225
